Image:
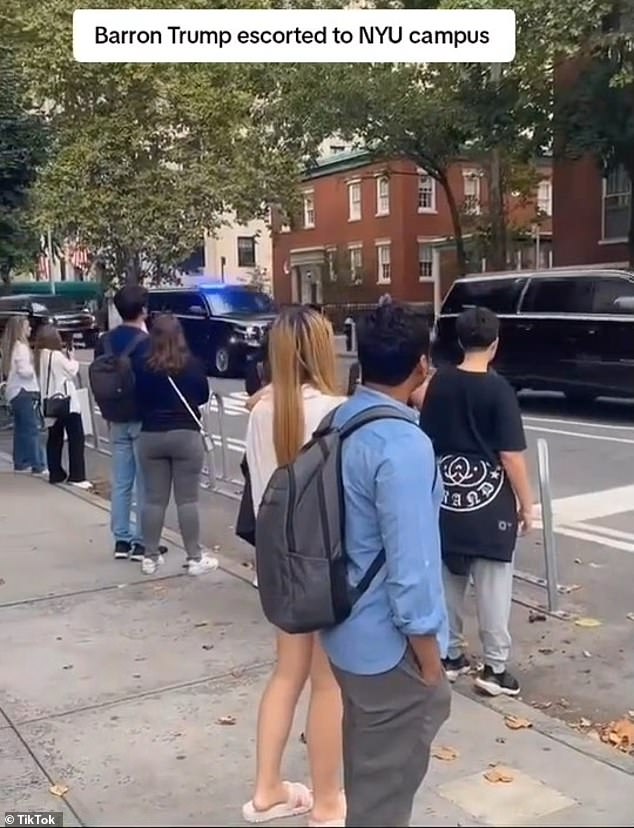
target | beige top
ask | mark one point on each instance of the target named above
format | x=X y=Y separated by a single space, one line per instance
x=260 y=449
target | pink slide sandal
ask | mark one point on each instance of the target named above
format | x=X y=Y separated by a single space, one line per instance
x=300 y=801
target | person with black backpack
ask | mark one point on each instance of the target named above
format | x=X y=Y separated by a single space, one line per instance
x=112 y=382
x=348 y=542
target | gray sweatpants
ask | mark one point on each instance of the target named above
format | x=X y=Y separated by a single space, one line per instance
x=389 y=723
x=171 y=458
x=493 y=582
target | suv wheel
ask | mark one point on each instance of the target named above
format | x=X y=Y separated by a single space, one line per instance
x=222 y=361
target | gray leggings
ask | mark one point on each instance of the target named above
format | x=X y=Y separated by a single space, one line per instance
x=166 y=458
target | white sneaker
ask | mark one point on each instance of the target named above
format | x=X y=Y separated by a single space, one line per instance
x=149 y=565
x=82 y=484
x=205 y=564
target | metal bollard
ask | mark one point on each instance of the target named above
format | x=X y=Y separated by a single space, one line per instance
x=348 y=329
x=221 y=433
x=550 y=545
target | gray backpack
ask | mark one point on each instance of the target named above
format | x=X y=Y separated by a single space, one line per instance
x=299 y=535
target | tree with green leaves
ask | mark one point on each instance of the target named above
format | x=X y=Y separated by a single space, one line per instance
x=23 y=143
x=145 y=157
x=595 y=115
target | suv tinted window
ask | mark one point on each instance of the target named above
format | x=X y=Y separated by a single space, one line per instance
x=565 y=295
x=613 y=295
x=498 y=295
x=177 y=302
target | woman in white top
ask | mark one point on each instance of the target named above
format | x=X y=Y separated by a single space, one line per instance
x=57 y=371
x=302 y=392
x=23 y=393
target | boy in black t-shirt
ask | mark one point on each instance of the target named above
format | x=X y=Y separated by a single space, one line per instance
x=472 y=417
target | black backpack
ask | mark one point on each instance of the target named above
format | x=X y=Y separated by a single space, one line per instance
x=113 y=383
x=299 y=534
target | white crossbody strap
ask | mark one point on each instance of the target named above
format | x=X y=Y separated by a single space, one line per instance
x=193 y=415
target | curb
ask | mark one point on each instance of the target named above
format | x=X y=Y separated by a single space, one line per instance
x=545 y=725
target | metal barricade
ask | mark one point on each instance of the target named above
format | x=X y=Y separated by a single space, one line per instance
x=550 y=580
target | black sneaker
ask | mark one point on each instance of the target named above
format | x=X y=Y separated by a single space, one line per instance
x=122 y=550
x=497 y=684
x=455 y=667
x=138 y=552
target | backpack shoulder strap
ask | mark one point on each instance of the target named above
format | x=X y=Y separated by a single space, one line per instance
x=131 y=346
x=371 y=415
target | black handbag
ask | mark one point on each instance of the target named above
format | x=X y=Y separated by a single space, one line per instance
x=245 y=522
x=57 y=405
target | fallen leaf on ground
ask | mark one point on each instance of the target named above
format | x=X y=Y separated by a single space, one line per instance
x=208 y=646
x=247 y=564
x=588 y=622
x=58 y=789
x=446 y=754
x=630 y=713
x=67 y=667
x=498 y=774
x=620 y=734
x=630 y=616
x=542 y=705
x=595 y=565
x=226 y=720
x=587 y=654
x=578 y=560
x=563 y=703
x=159 y=588
x=516 y=722
x=500 y=740
x=535 y=616
x=583 y=722
x=546 y=650
x=201 y=624
x=566 y=590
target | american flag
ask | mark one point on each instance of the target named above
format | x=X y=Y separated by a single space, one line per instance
x=78 y=256
x=44 y=267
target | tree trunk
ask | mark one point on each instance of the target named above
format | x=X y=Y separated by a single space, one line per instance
x=461 y=254
x=497 y=214
x=133 y=270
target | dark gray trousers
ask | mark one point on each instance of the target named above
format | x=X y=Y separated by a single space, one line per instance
x=171 y=458
x=389 y=723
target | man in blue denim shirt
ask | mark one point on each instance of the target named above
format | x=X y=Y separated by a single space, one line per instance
x=387 y=655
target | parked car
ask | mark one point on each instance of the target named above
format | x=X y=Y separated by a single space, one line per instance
x=73 y=319
x=223 y=324
x=560 y=330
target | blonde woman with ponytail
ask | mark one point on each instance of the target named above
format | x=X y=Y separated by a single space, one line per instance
x=302 y=392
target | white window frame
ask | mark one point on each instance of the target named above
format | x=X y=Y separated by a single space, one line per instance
x=382 y=199
x=383 y=263
x=355 y=262
x=545 y=197
x=309 y=199
x=474 y=207
x=605 y=195
x=424 y=245
x=331 y=265
x=430 y=203
x=354 y=204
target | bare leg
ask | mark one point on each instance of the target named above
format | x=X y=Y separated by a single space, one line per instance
x=324 y=739
x=275 y=717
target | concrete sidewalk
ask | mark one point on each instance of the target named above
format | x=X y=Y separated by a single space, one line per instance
x=118 y=686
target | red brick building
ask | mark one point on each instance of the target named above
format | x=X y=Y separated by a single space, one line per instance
x=369 y=228
x=590 y=213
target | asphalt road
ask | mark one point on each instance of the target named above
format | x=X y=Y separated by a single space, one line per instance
x=571 y=670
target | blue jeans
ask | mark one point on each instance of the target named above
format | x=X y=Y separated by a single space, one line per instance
x=126 y=481
x=28 y=445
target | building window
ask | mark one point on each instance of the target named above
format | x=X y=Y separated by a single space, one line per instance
x=246 y=251
x=425 y=261
x=354 y=201
x=383 y=196
x=617 y=203
x=545 y=197
x=384 y=263
x=355 y=254
x=309 y=209
x=426 y=193
x=471 y=181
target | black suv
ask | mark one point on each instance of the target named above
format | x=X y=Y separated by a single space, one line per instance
x=72 y=319
x=223 y=324
x=560 y=330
